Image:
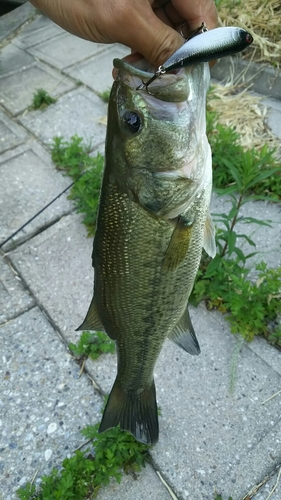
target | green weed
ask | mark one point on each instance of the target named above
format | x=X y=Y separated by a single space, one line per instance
x=219 y=497
x=92 y=345
x=253 y=308
x=223 y=283
x=71 y=156
x=83 y=474
x=86 y=172
x=229 y=158
x=105 y=95
x=41 y=99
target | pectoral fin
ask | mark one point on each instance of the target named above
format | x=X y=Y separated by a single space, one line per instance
x=92 y=320
x=184 y=335
x=209 y=242
x=178 y=245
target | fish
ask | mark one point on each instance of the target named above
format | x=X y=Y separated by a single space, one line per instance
x=207 y=46
x=153 y=221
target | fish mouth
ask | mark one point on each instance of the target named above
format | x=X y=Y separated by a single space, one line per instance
x=139 y=68
x=172 y=87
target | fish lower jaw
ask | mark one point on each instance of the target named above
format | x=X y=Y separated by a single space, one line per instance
x=184 y=172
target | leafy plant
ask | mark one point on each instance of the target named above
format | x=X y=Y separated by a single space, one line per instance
x=253 y=308
x=86 y=172
x=118 y=449
x=71 y=156
x=83 y=474
x=105 y=95
x=28 y=492
x=256 y=307
x=92 y=345
x=229 y=158
x=85 y=194
x=219 y=497
x=41 y=99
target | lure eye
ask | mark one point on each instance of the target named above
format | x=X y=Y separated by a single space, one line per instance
x=132 y=121
x=249 y=38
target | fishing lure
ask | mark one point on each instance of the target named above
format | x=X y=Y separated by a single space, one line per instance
x=208 y=45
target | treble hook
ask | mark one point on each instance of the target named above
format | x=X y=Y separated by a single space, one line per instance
x=161 y=71
x=201 y=29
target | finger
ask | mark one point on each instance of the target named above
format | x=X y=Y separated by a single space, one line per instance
x=151 y=36
x=195 y=13
x=162 y=15
x=173 y=15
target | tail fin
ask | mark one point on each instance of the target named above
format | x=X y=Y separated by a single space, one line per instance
x=135 y=413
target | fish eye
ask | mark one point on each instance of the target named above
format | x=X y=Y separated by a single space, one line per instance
x=132 y=121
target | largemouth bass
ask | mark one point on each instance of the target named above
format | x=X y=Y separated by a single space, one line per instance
x=152 y=223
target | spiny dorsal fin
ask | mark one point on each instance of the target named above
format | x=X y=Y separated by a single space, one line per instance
x=92 y=320
x=184 y=335
x=209 y=242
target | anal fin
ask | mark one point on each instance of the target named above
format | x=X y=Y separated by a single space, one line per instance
x=184 y=335
x=92 y=320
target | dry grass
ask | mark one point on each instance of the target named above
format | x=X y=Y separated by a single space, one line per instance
x=263 y=19
x=238 y=108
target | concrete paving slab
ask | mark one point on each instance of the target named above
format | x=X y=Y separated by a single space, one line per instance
x=44 y=261
x=79 y=112
x=14 y=59
x=65 y=50
x=43 y=402
x=212 y=440
x=271 y=490
x=12 y=21
x=274 y=115
x=11 y=134
x=96 y=72
x=17 y=89
x=209 y=439
x=14 y=298
x=44 y=450
x=268 y=353
x=41 y=21
x=28 y=182
x=260 y=347
x=145 y=485
x=42 y=28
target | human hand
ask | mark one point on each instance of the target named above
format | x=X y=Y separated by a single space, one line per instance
x=146 y=26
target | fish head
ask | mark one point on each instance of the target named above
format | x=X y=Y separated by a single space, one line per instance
x=158 y=130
